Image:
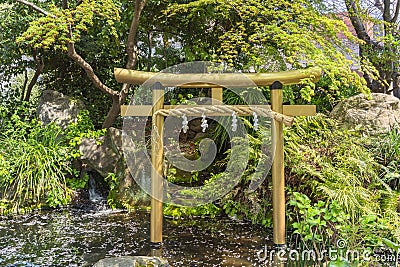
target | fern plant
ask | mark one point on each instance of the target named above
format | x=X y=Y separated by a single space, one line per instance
x=334 y=163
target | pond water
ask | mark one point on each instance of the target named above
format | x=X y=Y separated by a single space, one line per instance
x=81 y=238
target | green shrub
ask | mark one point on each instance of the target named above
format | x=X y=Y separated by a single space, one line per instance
x=35 y=166
x=344 y=190
x=328 y=162
x=319 y=223
x=82 y=128
x=339 y=169
x=321 y=226
x=386 y=149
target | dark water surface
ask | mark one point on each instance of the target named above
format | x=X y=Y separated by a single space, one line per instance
x=78 y=238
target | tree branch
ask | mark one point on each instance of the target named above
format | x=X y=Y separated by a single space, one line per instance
x=396 y=13
x=132 y=51
x=65 y=4
x=36 y=8
x=89 y=70
x=386 y=11
x=131 y=47
x=24 y=85
x=358 y=24
x=39 y=69
x=378 y=5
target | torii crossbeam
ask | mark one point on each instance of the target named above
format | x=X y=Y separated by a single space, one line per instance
x=200 y=80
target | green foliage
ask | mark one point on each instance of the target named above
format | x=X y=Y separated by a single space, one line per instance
x=181 y=100
x=273 y=35
x=321 y=226
x=392 y=245
x=207 y=210
x=34 y=168
x=16 y=117
x=75 y=182
x=332 y=162
x=98 y=36
x=379 y=52
x=112 y=181
x=325 y=95
x=244 y=203
x=55 y=30
x=319 y=222
x=36 y=159
x=386 y=149
x=344 y=192
x=130 y=198
x=14 y=20
x=82 y=128
x=338 y=170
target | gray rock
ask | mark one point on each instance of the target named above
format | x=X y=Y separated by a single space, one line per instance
x=377 y=115
x=54 y=106
x=132 y=261
x=105 y=155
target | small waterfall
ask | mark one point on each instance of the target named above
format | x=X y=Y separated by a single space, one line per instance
x=97 y=201
x=94 y=196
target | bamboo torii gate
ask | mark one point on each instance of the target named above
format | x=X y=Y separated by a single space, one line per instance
x=280 y=113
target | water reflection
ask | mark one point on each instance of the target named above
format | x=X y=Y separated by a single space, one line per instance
x=77 y=238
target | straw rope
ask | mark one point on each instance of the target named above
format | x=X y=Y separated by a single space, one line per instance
x=240 y=111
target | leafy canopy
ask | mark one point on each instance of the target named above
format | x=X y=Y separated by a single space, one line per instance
x=275 y=35
x=67 y=25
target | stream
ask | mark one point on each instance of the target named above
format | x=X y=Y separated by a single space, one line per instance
x=74 y=237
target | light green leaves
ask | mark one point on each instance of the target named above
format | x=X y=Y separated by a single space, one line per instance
x=67 y=25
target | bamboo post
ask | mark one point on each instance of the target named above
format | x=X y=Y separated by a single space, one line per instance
x=156 y=214
x=278 y=176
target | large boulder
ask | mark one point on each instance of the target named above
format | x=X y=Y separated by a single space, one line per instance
x=105 y=156
x=56 y=107
x=376 y=114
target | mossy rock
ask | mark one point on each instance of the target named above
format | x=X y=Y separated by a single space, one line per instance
x=132 y=261
x=377 y=113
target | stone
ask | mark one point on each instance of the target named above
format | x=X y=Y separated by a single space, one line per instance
x=100 y=154
x=377 y=114
x=105 y=155
x=56 y=107
x=132 y=261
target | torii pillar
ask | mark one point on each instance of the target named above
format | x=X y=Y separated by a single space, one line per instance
x=274 y=80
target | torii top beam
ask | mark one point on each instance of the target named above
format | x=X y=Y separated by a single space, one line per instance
x=205 y=80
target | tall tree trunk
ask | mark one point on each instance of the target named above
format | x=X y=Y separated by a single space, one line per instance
x=132 y=51
x=24 y=85
x=94 y=78
x=113 y=113
x=372 y=49
x=39 y=69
